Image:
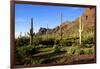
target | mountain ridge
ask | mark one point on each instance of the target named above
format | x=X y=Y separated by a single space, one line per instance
x=70 y=28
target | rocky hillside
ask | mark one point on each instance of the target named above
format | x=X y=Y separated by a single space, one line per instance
x=71 y=28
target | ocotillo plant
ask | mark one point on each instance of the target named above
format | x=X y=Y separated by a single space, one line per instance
x=31 y=32
x=80 y=30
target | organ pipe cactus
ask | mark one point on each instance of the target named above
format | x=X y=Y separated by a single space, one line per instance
x=80 y=30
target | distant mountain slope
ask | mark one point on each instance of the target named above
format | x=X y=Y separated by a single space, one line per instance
x=71 y=28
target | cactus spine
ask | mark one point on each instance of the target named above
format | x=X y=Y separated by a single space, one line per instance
x=31 y=32
x=80 y=30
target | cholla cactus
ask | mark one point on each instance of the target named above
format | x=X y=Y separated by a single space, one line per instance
x=80 y=30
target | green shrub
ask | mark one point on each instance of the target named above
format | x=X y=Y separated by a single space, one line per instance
x=20 y=56
x=37 y=40
x=56 y=48
x=73 y=50
x=24 y=53
x=88 y=40
x=88 y=45
x=65 y=42
x=36 y=61
x=49 y=41
x=56 y=42
x=72 y=38
x=82 y=52
x=22 y=41
x=87 y=51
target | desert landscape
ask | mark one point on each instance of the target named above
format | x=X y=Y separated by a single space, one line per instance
x=71 y=42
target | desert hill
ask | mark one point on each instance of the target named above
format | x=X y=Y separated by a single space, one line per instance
x=72 y=28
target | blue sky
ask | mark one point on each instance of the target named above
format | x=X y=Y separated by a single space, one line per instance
x=43 y=15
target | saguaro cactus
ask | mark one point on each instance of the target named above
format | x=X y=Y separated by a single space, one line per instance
x=47 y=32
x=25 y=33
x=20 y=35
x=80 y=30
x=61 y=28
x=31 y=32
